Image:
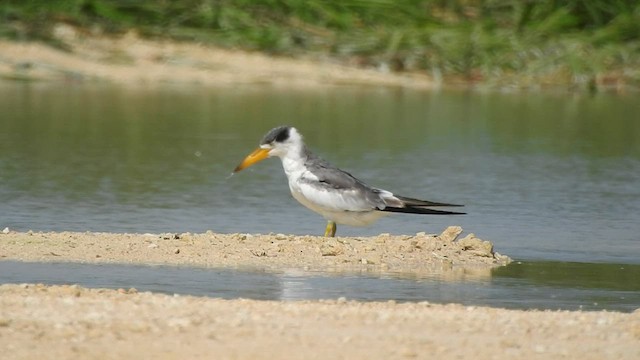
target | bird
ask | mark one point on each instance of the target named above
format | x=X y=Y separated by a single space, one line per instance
x=335 y=194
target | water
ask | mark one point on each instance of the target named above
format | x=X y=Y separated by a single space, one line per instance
x=545 y=176
x=517 y=286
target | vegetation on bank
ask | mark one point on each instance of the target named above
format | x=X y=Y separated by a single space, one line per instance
x=587 y=44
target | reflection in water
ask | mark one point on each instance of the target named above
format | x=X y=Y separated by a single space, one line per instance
x=551 y=176
x=542 y=290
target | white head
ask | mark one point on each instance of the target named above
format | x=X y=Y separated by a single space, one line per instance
x=279 y=142
x=282 y=140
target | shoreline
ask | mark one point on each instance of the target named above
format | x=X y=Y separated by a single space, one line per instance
x=70 y=321
x=134 y=61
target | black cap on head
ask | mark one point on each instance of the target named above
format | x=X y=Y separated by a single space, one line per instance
x=279 y=134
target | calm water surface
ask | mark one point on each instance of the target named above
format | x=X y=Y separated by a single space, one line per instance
x=545 y=176
x=567 y=286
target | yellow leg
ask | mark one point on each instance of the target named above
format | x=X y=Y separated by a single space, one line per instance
x=330 y=231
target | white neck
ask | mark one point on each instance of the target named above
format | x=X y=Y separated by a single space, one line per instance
x=293 y=162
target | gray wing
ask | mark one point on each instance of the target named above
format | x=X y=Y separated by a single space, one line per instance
x=337 y=189
x=340 y=187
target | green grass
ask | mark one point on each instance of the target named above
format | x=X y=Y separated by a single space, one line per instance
x=584 y=44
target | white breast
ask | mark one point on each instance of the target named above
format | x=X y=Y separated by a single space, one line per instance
x=342 y=207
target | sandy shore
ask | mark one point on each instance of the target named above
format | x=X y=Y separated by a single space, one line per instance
x=69 y=322
x=54 y=322
x=450 y=252
x=132 y=60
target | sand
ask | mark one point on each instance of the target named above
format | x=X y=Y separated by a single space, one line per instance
x=67 y=322
x=134 y=61
x=55 y=322
x=449 y=252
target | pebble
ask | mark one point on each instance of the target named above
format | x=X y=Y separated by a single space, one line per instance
x=331 y=248
x=380 y=240
x=124 y=291
x=152 y=246
x=450 y=234
x=476 y=246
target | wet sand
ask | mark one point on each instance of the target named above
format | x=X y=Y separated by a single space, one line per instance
x=47 y=322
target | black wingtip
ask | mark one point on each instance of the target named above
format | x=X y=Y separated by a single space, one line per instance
x=411 y=202
x=421 y=211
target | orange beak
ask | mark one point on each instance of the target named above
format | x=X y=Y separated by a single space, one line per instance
x=258 y=155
